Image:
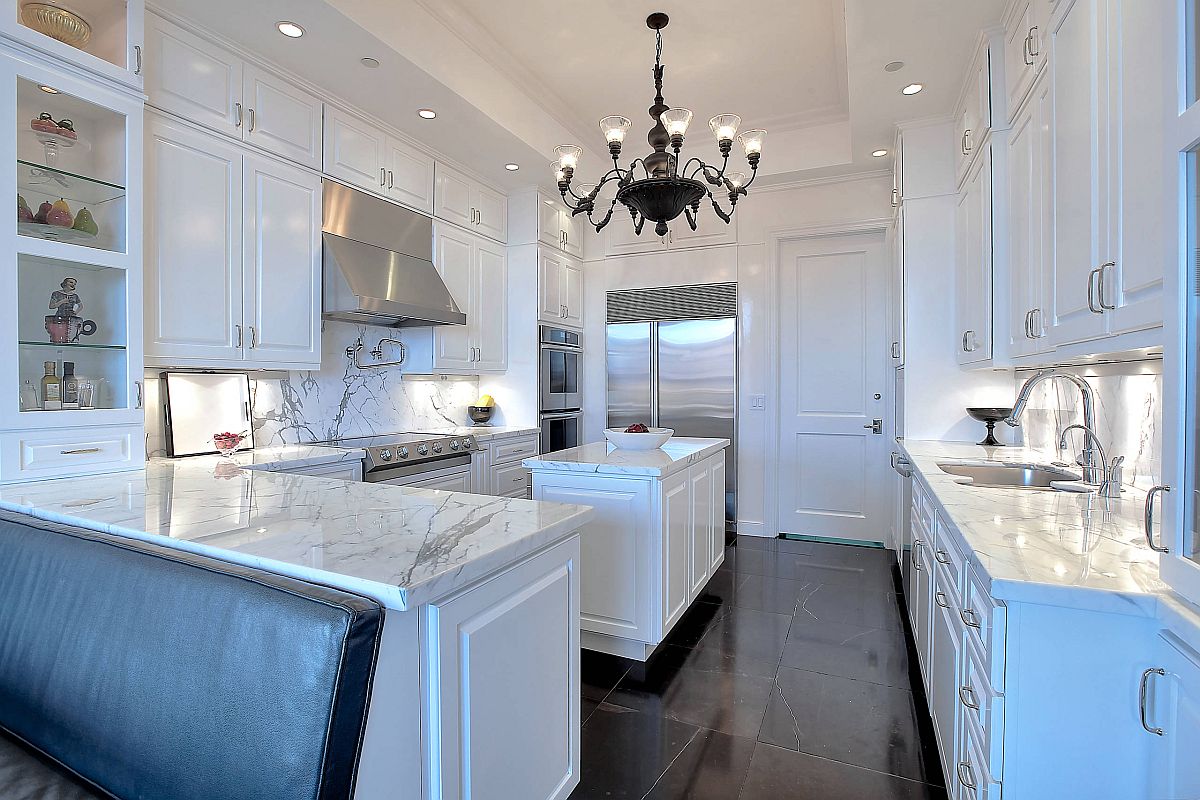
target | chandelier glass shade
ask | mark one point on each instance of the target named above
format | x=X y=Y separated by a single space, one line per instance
x=655 y=187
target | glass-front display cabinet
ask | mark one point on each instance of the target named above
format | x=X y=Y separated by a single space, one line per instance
x=102 y=36
x=70 y=334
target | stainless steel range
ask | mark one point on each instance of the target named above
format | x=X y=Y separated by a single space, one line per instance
x=415 y=459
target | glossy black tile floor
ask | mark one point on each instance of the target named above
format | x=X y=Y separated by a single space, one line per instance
x=789 y=679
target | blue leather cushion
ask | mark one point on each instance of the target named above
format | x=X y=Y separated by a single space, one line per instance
x=154 y=674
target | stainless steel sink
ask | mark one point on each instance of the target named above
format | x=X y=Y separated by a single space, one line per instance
x=1009 y=476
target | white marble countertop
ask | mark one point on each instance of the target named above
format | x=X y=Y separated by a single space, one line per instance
x=481 y=432
x=1061 y=548
x=604 y=459
x=401 y=545
x=282 y=457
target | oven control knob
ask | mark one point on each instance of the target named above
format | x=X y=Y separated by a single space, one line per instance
x=386 y=454
x=422 y=450
x=403 y=452
x=454 y=444
x=437 y=447
x=468 y=443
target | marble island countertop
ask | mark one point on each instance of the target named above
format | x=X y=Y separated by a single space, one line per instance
x=604 y=459
x=404 y=546
x=481 y=432
x=1058 y=547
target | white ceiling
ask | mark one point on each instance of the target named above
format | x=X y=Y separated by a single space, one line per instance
x=512 y=79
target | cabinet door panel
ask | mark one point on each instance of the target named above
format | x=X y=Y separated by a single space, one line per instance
x=280 y=118
x=620 y=239
x=550 y=286
x=282 y=262
x=550 y=221
x=701 y=478
x=710 y=229
x=454 y=251
x=354 y=151
x=572 y=293
x=1019 y=45
x=716 y=547
x=676 y=503
x=452 y=197
x=410 y=176
x=491 y=210
x=1023 y=247
x=1175 y=707
x=193 y=244
x=574 y=228
x=192 y=77
x=945 y=663
x=488 y=316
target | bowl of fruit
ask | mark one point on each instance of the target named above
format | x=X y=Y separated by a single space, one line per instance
x=638 y=437
x=227 y=442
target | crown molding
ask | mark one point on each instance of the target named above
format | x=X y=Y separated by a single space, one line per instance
x=804 y=183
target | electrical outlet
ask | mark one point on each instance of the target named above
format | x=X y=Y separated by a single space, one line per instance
x=758 y=401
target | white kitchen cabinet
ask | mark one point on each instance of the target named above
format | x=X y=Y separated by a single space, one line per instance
x=945 y=670
x=511 y=642
x=475 y=271
x=923 y=632
x=556 y=226
x=699 y=558
x=363 y=155
x=1172 y=706
x=974 y=114
x=973 y=262
x=250 y=226
x=409 y=175
x=114 y=51
x=560 y=288
x=204 y=83
x=621 y=240
x=464 y=201
x=716 y=547
x=1025 y=25
x=675 y=509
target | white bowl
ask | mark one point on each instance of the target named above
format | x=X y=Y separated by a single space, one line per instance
x=652 y=440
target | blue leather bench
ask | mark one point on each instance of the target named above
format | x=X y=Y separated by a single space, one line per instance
x=135 y=671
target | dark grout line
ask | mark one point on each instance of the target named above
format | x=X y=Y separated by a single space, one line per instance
x=856 y=766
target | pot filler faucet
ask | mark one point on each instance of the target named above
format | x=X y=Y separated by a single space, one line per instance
x=1096 y=471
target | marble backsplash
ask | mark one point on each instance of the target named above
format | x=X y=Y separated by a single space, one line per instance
x=339 y=401
x=1128 y=416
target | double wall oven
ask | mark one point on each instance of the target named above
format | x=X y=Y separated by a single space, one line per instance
x=560 y=388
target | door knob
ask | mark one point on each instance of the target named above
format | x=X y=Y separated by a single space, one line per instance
x=875 y=426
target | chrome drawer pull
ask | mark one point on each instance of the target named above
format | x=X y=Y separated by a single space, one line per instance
x=941 y=556
x=972 y=620
x=79 y=452
x=1142 y=699
x=1148 y=519
x=966 y=776
x=963 y=693
x=940 y=599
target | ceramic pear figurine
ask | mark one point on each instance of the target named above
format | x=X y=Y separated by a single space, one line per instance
x=84 y=223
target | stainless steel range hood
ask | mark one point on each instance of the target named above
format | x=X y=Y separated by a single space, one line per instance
x=378 y=263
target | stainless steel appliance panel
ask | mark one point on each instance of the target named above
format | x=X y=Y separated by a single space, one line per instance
x=561 y=431
x=630 y=392
x=561 y=378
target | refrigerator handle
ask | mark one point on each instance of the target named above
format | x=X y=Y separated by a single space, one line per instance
x=654 y=375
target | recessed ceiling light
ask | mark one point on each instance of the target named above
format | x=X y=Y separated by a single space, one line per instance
x=880 y=153
x=512 y=167
x=368 y=62
x=893 y=66
x=48 y=89
x=912 y=88
x=426 y=113
x=289 y=29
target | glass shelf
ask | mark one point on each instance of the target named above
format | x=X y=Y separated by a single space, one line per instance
x=73 y=345
x=38 y=179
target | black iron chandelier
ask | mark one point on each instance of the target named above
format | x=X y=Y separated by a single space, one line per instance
x=661 y=191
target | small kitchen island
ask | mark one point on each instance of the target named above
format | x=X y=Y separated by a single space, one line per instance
x=657 y=536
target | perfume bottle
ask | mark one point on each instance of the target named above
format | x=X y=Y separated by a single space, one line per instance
x=51 y=387
x=70 y=386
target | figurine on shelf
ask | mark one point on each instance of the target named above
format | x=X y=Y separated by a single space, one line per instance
x=46 y=124
x=66 y=301
x=65 y=326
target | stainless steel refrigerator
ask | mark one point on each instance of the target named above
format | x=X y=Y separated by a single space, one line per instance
x=671 y=357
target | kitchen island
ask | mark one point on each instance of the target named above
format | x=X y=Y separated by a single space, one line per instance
x=657 y=537
x=478 y=590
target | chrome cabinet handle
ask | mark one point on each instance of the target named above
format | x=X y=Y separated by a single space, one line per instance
x=1100 y=286
x=251 y=110
x=895 y=198
x=1092 y=292
x=1033 y=39
x=940 y=599
x=1142 y=699
x=237 y=108
x=941 y=556
x=966 y=776
x=238 y=328
x=1039 y=325
x=973 y=344
x=137 y=59
x=1029 y=324
x=1148 y=518
x=253 y=337
x=140 y=396
x=1028 y=56
x=971 y=621
x=80 y=451
x=965 y=692
x=966 y=147
x=391 y=178
x=383 y=176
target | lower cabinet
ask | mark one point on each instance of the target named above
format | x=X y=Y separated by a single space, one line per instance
x=1170 y=716
x=945 y=667
x=496 y=466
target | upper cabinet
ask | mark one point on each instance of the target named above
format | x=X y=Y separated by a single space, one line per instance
x=560 y=289
x=363 y=155
x=466 y=202
x=537 y=218
x=622 y=240
x=1026 y=24
x=973 y=262
x=113 y=50
x=475 y=271
x=974 y=112
x=204 y=83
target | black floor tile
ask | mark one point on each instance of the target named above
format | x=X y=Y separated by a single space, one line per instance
x=873 y=607
x=586 y=707
x=717 y=659
x=729 y=702
x=777 y=774
x=712 y=767
x=748 y=633
x=695 y=623
x=624 y=752
x=857 y=567
x=600 y=672
x=856 y=722
x=851 y=651
x=760 y=592
x=722 y=587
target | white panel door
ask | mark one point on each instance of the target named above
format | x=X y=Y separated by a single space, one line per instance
x=1174 y=707
x=454 y=253
x=701 y=477
x=550 y=217
x=354 y=151
x=572 y=293
x=1143 y=220
x=675 y=503
x=491 y=213
x=504 y=658
x=550 y=286
x=192 y=77
x=944 y=670
x=281 y=118
x=1079 y=145
x=832 y=355
x=716 y=548
x=282 y=262
x=409 y=176
x=488 y=316
x=193 y=243
x=973 y=267
x=574 y=228
x=452 y=197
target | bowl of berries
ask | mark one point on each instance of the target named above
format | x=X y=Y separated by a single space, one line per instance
x=638 y=437
x=227 y=442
